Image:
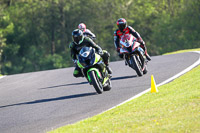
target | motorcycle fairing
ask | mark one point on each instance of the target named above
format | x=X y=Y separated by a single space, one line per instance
x=79 y=64
x=105 y=80
x=128 y=43
x=97 y=58
x=87 y=57
x=127 y=40
x=134 y=46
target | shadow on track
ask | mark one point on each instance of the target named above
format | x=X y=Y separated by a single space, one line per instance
x=65 y=85
x=81 y=83
x=51 y=99
x=124 y=77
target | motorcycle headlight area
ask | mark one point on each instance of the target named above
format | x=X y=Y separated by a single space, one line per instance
x=129 y=49
x=87 y=58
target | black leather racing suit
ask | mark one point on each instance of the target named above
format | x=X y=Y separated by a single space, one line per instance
x=89 y=34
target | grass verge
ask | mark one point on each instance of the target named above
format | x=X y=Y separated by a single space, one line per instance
x=175 y=108
x=182 y=51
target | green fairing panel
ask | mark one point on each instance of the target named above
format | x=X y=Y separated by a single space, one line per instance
x=105 y=80
x=97 y=58
x=79 y=65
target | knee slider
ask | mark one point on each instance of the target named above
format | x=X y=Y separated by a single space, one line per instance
x=76 y=73
x=120 y=55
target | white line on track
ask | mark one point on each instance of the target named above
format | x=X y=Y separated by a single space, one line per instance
x=164 y=82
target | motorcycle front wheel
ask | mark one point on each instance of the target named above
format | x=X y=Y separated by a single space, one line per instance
x=96 y=82
x=136 y=65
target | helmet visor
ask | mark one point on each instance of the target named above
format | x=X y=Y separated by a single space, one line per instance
x=83 y=29
x=121 y=27
x=77 y=39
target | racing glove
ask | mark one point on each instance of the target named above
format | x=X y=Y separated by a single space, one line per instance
x=100 y=52
x=75 y=61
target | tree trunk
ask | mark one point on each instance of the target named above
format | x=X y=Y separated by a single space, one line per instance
x=53 y=29
x=63 y=28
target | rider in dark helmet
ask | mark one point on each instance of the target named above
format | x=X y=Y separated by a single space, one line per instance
x=80 y=41
x=124 y=29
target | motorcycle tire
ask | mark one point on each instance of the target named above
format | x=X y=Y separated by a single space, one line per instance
x=96 y=82
x=108 y=86
x=145 y=70
x=136 y=65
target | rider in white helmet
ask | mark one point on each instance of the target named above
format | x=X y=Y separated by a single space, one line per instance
x=86 y=32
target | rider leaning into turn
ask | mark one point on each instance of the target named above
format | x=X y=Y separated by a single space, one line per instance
x=80 y=41
x=86 y=32
x=124 y=29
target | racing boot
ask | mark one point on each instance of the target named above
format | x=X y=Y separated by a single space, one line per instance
x=147 y=56
x=105 y=57
x=108 y=69
x=126 y=63
x=145 y=49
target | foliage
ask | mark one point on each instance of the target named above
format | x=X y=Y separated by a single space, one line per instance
x=35 y=34
x=179 y=31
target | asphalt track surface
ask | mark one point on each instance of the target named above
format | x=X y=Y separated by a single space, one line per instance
x=41 y=101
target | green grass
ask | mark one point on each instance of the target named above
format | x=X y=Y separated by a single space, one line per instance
x=175 y=108
x=182 y=51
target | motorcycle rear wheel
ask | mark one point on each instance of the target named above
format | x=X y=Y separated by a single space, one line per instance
x=145 y=70
x=108 y=87
x=96 y=82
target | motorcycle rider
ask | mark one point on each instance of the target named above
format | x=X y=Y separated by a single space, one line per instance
x=80 y=41
x=124 y=29
x=86 y=32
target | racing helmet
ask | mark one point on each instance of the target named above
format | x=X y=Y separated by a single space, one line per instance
x=77 y=36
x=82 y=27
x=122 y=24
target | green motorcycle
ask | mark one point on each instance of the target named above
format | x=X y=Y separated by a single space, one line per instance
x=94 y=69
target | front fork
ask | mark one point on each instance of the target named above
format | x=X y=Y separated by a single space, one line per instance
x=127 y=59
x=138 y=55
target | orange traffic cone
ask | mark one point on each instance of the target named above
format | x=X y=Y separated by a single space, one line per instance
x=153 y=85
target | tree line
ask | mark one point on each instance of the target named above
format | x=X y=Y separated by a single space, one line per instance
x=35 y=34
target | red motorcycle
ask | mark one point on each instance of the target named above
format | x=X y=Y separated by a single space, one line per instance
x=133 y=54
